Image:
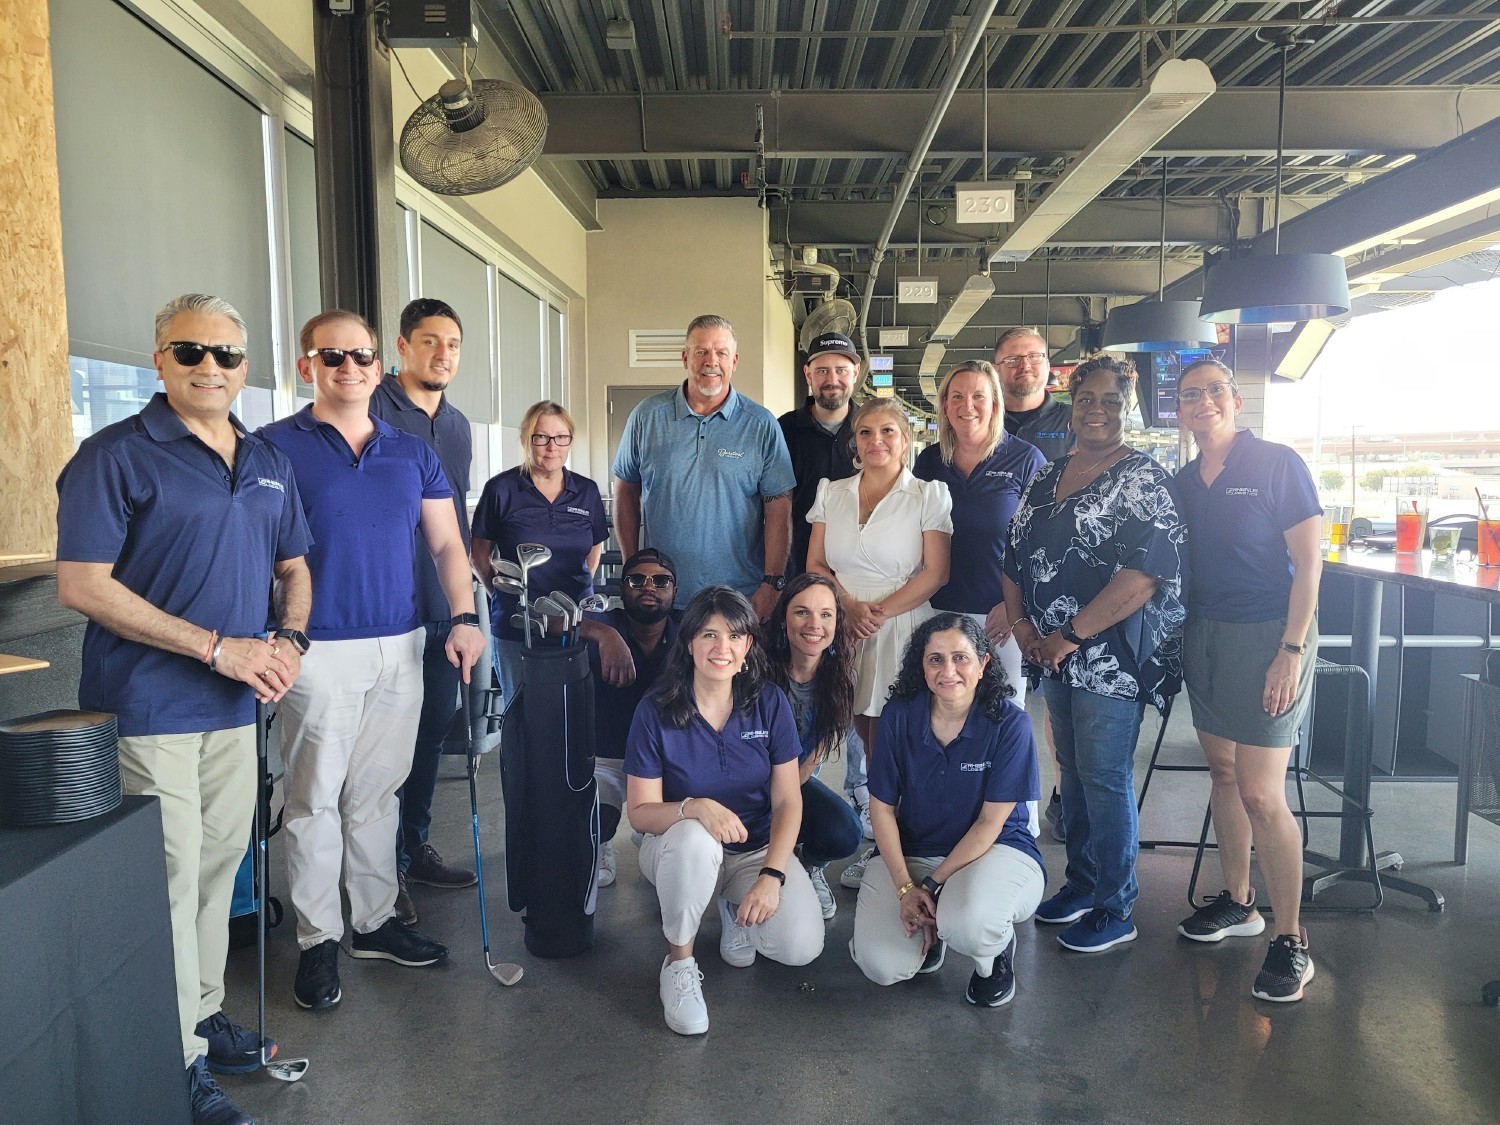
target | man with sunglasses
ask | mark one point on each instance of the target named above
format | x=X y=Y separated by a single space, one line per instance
x=172 y=527
x=350 y=722
x=1031 y=413
x=413 y=400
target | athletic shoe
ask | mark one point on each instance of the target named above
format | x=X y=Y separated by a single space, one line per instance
x=681 y=988
x=999 y=988
x=861 y=799
x=824 y=891
x=231 y=1048
x=1097 y=931
x=406 y=910
x=735 y=945
x=398 y=943
x=428 y=868
x=854 y=874
x=1067 y=905
x=1053 y=815
x=607 y=864
x=1287 y=968
x=317 y=983
x=209 y=1104
x=1221 y=917
x=934 y=959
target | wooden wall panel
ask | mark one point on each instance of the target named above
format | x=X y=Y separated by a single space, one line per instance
x=35 y=416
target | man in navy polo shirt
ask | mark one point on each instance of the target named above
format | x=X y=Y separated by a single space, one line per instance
x=708 y=472
x=1032 y=414
x=171 y=527
x=817 y=433
x=351 y=720
x=413 y=401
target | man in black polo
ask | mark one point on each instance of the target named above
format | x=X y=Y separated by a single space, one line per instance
x=413 y=400
x=1031 y=413
x=817 y=433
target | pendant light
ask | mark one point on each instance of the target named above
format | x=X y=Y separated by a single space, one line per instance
x=1276 y=287
x=1159 y=325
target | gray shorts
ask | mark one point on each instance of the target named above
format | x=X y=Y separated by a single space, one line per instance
x=1224 y=664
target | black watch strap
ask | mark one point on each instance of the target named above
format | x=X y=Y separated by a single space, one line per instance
x=466 y=619
x=1068 y=635
x=779 y=876
x=298 y=638
x=932 y=885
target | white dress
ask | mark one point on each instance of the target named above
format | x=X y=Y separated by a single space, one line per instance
x=873 y=561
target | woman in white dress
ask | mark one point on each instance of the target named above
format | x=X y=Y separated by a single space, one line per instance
x=882 y=536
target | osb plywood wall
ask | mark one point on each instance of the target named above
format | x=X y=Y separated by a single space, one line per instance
x=35 y=418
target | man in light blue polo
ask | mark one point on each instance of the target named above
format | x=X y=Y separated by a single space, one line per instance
x=706 y=472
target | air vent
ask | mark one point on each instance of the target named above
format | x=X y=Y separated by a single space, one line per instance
x=656 y=347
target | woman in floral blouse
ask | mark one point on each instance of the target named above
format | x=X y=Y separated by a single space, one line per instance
x=1094 y=590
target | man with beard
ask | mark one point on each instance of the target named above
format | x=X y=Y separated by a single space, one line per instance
x=413 y=400
x=648 y=587
x=817 y=433
x=1031 y=414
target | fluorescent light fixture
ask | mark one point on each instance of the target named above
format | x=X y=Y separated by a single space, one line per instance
x=928 y=383
x=1306 y=344
x=932 y=359
x=971 y=298
x=1178 y=87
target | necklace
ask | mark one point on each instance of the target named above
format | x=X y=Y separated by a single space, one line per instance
x=1113 y=452
x=867 y=506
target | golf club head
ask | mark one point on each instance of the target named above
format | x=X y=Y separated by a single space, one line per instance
x=545 y=606
x=505 y=566
x=508 y=585
x=287 y=1070
x=575 y=615
x=532 y=554
x=504 y=972
x=594 y=603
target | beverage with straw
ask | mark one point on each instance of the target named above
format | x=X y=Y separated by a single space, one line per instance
x=1411 y=524
x=1489 y=535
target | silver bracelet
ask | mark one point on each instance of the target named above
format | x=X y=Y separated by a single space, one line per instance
x=680 y=814
x=213 y=657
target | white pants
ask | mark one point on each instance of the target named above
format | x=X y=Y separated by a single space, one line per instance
x=206 y=786
x=689 y=868
x=609 y=774
x=976 y=915
x=348 y=728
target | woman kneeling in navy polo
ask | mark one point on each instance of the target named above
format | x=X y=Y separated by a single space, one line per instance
x=712 y=782
x=949 y=781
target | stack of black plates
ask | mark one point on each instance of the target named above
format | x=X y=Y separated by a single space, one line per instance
x=58 y=767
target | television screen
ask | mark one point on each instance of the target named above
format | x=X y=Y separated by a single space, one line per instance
x=1160 y=371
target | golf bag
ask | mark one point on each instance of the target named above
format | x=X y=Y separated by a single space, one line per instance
x=552 y=801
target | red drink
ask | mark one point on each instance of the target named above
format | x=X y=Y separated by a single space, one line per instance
x=1489 y=542
x=1409 y=528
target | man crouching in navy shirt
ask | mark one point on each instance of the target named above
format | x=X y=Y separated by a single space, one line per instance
x=351 y=720
x=170 y=528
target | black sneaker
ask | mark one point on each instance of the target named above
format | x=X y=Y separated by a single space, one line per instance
x=999 y=988
x=398 y=943
x=209 y=1104
x=231 y=1048
x=1287 y=968
x=317 y=983
x=934 y=959
x=406 y=910
x=1053 y=816
x=427 y=867
x=1221 y=917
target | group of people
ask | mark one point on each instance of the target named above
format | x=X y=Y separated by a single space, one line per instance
x=809 y=592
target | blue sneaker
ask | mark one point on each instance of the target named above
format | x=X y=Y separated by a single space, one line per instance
x=208 y=1104
x=1067 y=905
x=232 y=1049
x=1097 y=931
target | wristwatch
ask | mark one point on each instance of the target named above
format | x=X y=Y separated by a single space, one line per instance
x=465 y=619
x=297 y=637
x=777 y=582
x=1071 y=637
x=780 y=876
x=1300 y=650
x=932 y=886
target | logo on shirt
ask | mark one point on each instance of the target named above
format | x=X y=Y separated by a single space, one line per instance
x=973 y=767
x=580 y=511
x=755 y=734
x=730 y=452
x=999 y=473
x=1242 y=492
x=267 y=482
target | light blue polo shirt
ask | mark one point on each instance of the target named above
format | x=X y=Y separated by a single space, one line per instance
x=704 y=481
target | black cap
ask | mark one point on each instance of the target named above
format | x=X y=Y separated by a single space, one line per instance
x=650 y=555
x=835 y=342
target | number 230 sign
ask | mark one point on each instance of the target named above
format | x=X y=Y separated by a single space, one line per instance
x=981 y=203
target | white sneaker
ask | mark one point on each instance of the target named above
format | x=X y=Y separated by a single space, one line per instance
x=862 y=806
x=825 y=892
x=682 y=997
x=735 y=945
x=854 y=874
x=607 y=864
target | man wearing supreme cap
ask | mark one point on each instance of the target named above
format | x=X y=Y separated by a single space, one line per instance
x=817 y=433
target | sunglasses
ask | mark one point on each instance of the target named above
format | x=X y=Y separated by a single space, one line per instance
x=658 y=581
x=189 y=354
x=334 y=357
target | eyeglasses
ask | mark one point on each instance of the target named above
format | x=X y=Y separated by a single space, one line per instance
x=562 y=441
x=1214 y=391
x=658 y=581
x=1015 y=362
x=189 y=354
x=334 y=357
x=1108 y=402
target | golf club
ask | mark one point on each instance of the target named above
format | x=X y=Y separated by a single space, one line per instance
x=594 y=603
x=548 y=609
x=284 y=1070
x=574 y=616
x=508 y=585
x=531 y=555
x=507 y=567
x=504 y=972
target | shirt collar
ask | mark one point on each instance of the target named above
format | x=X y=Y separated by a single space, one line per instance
x=391 y=384
x=975 y=716
x=569 y=486
x=162 y=423
x=304 y=419
x=728 y=407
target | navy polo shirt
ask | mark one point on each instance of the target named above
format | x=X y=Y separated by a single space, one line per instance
x=1049 y=427
x=732 y=766
x=448 y=435
x=512 y=511
x=364 y=512
x=1241 y=570
x=614 y=707
x=939 y=791
x=983 y=503
x=192 y=537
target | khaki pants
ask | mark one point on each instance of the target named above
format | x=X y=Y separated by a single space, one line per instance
x=206 y=786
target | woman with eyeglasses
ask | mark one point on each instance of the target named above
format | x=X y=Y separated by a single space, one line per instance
x=1249 y=656
x=541 y=501
x=1093 y=586
x=812 y=660
x=711 y=782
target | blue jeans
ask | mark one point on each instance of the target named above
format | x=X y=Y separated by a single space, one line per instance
x=855 y=766
x=506 y=655
x=1096 y=738
x=830 y=828
x=440 y=682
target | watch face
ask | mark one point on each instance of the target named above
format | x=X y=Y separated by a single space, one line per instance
x=776 y=582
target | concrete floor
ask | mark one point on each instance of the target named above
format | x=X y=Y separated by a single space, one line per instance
x=1162 y=1030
